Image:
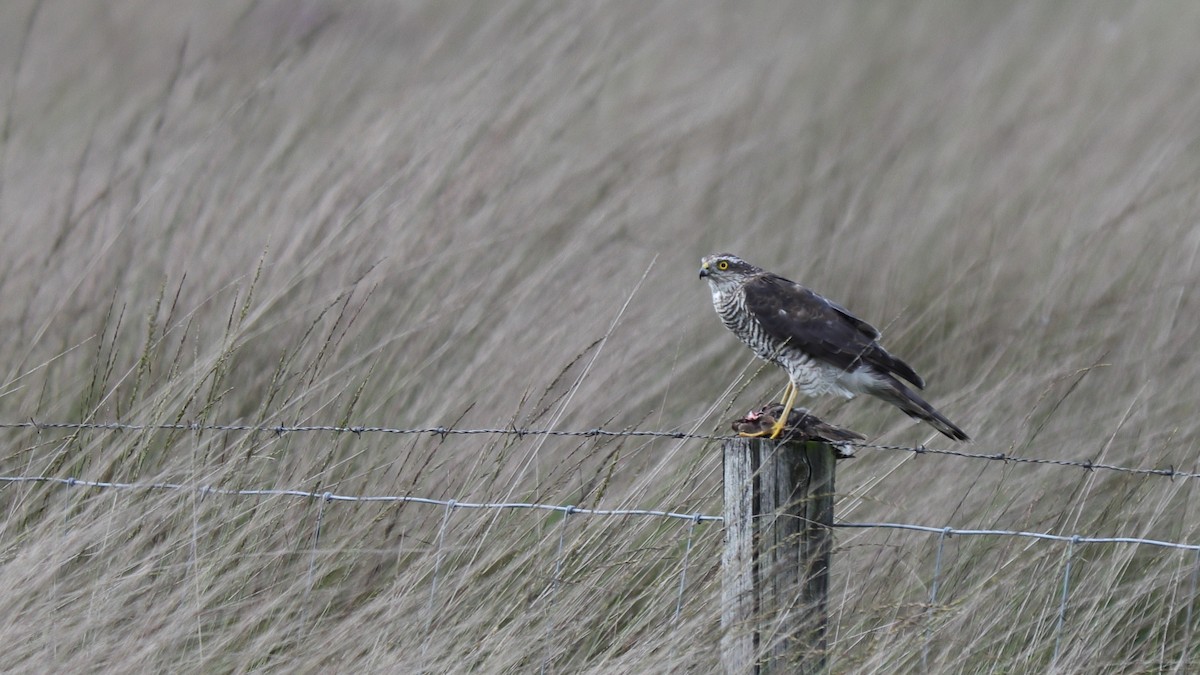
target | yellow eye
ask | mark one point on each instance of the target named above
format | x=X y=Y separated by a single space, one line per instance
x=723 y=265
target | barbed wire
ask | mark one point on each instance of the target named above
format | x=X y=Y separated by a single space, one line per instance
x=452 y=504
x=280 y=429
x=1169 y=472
x=443 y=432
x=323 y=499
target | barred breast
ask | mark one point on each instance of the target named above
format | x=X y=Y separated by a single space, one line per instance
x=810 y=376
x=731 y=307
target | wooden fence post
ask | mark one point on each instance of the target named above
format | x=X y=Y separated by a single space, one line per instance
x=775 y=566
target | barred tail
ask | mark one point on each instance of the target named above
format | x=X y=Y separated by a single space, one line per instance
x=892 y=391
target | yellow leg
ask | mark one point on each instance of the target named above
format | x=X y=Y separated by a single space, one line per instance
x=789 y=400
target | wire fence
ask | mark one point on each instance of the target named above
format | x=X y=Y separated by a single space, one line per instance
x=335 y=497
x=694 y=519
x=570 y=510
x=1072 y=541
x=520 y=432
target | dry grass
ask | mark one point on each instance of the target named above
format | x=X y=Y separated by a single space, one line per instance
x=433 y=213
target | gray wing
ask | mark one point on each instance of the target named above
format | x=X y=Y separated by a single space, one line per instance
x=826 y=330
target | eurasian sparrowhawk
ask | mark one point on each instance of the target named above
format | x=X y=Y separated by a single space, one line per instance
x=823 y=347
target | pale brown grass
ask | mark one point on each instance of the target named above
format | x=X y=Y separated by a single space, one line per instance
x=424 y=213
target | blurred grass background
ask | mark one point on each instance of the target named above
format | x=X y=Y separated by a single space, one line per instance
x=481 y=214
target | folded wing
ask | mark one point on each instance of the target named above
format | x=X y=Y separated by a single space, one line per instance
x=822 y=329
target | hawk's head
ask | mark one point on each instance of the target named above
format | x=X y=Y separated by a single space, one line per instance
x=724 y=270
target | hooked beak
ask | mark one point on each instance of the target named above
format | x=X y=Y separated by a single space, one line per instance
x=703 y=270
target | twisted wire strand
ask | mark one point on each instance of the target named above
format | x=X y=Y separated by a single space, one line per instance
x=281 y=429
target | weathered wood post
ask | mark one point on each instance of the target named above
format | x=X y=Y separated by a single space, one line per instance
x=775 y=567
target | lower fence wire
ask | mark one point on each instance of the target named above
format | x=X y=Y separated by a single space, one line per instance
x=694 y=519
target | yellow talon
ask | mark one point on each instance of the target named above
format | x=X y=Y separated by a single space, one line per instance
x=789 y=400
x=777 y=429
x=779 y=424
